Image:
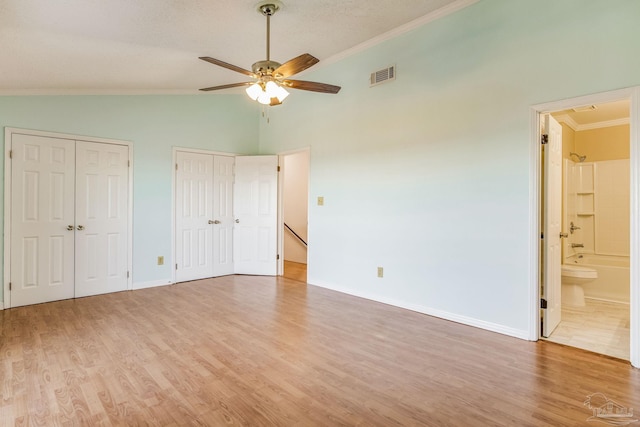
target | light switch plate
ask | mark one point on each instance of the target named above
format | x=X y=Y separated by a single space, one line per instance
x=320 y=201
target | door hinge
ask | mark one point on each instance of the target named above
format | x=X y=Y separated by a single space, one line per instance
x=278 y=168
x=278 y=256
x=11 y=154
x=127 y=274
x=129 y=163
x=544 y=139
x=542 y=235
x=9 y=285
x=543 y=303
x=176 y=166
x=176 y=266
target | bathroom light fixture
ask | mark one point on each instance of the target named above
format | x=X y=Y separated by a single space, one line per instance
x=585 y=108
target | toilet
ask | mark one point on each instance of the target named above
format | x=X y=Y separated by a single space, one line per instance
x=573 y=276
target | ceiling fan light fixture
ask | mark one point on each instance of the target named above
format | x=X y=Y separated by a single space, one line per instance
x=274 y=90
x=264 y=98
x=254 y=91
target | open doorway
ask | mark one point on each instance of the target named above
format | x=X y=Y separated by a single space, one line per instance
x=591 y=308
x=294 y=213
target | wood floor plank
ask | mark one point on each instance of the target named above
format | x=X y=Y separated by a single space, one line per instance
x=265 y=351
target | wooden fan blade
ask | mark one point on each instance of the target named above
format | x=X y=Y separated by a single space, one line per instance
x=295 y=65
x=227 y=66
x=207 y=89
x=312 y=86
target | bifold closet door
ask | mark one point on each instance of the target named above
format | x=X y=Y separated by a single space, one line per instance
x=101 y=235
x=42 y=219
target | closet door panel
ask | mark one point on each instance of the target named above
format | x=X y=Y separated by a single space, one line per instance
x=194 y=216
x=42 y=218
x=223 y=215
x=102 y=175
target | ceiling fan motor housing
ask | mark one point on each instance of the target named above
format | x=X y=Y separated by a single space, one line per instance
x=264 y=68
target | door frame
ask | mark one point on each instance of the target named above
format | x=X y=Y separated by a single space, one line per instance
x=174 y=160
x=280 y=230
x=632 y=94
x=8 y=137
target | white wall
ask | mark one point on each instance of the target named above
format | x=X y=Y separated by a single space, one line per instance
x=428 y=176
x=296 y=191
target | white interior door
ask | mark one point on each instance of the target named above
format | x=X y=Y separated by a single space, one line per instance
x=223 y=176
x=42 y=219
x=552 y=227
x=194 y=212
x=255 y=208
x=102 y=183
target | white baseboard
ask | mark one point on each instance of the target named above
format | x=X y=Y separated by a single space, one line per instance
x=608 y=300
x=465 y=320
x=1 y=305
x=151 y=284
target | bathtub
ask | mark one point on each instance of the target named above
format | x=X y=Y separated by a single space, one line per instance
x=612 y=283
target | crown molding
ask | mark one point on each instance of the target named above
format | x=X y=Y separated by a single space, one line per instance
x=605 y=124
x=566 y=119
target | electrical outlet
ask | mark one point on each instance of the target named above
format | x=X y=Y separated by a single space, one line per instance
x=160 y=260
x=320 y=201
x=380 y=272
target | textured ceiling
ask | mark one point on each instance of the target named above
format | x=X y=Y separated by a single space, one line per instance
x=152 y=46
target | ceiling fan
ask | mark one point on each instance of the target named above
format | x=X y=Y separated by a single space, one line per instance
x=270 y=77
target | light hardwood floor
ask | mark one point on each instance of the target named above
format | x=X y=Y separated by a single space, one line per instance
x=599 y=326
x=262 y=351
x=295 y=271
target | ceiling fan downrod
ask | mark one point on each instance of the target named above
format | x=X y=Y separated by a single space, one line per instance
x=268 y=9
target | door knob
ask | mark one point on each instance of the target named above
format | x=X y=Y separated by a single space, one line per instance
x=70 y=227
x=237 y=221
x=81 y=227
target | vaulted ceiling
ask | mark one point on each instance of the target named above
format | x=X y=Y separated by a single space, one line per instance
x=152 y=46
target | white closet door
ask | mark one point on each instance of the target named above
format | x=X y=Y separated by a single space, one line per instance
x=42 y=203
x=101 y=218
x=255 y=207
x=223 y=215
x=194 y=237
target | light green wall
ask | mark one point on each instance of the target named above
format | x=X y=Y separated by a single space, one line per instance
x=428 y=176
x=155 y=124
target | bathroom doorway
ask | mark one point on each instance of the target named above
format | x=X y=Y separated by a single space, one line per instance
x=592 y=304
